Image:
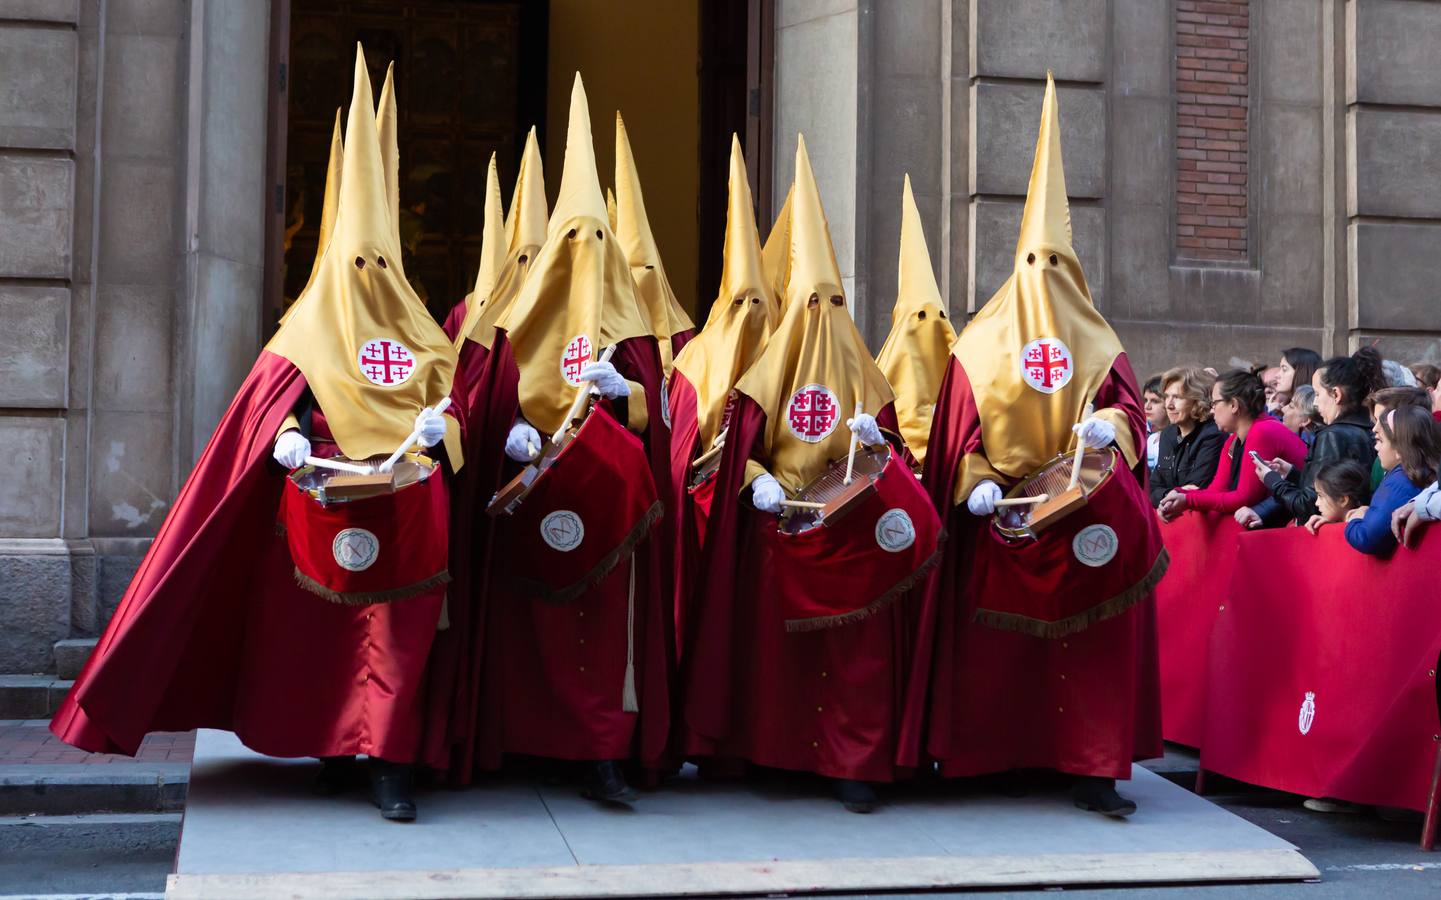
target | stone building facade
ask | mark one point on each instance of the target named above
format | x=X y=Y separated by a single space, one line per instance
x=1245 y=175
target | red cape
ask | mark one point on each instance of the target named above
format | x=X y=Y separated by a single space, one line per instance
x=544 y=679
x=213 y=631
x=981 y=700
x=686 y=535
x=824 y=701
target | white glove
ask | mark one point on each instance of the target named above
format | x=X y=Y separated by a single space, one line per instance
x=982 y=501
x=864 y=427
x=1095 y=433
x=429 y=427
x=607 y=380
x=291 y=448
x=766 y=493
x=523 y=442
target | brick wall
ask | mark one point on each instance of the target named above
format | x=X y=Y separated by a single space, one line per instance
x=1212 y=101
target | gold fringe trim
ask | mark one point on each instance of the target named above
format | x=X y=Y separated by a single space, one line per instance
x=603 y=568
x=370 y=598
x=905 y=584
x=1080 y=622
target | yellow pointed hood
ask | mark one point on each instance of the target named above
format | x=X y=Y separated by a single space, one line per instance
x=610 y=212
x=1038 y=351
x=633 y=229
x=814 y=367
x=370 y=352
x=526 y=221
x=478 y=303
x=579 y=296
x=776 y=252
x=327 y=210
x=743 y=315
x=918 y=349
x=387 y=125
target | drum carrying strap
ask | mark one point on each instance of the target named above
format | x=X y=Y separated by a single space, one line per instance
x=628 y=701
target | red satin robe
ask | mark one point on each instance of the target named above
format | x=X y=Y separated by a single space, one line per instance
x=213 y=631
x=983 y=700
x=825 y=701
x=545 y=679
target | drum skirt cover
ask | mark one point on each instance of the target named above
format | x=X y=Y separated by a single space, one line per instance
x=373 y=550
x=583 y=516
x=1091 y=565
x=852 y=568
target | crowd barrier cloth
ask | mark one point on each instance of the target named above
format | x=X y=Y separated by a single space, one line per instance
x=1322 y=672
x=1203 y=551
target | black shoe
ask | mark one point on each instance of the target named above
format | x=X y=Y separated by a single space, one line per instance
x=605 y=783
x=390 y=788
x=337 y=775
x=1099 y=795
x=856 y=796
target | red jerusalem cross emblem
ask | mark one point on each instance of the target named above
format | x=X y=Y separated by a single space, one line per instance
x=1046 y=365
x=577 y=353
x=813 y=413
x=386 y=362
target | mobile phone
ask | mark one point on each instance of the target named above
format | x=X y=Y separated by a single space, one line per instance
x=1256 y=458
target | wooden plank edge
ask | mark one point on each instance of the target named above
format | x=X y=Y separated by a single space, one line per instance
x=760 y=877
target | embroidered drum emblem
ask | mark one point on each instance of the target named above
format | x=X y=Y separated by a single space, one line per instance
x=813 y=413
x=385 y=362
x=562 y=530
x=355 y=549
x=1308 y=712
x=895 y=531
x=1095 y=545
x=577 y=354
x=665 y=402
x=1046 y=365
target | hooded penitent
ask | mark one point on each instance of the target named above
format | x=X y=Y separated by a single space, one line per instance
x=579 y=296
x=918 y=348
x=370 y=352
x=743 y=314
x=815 y=366
x=482 y=302
x=632 y=227
x=1043 y=316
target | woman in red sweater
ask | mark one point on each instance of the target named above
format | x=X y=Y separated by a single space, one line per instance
x=1238 y=403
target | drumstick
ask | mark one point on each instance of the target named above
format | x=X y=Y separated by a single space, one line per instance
x=1023 y=501
x=338 y=466
x=802 y=504
x=580 y=397
x=855 y=440
x=530 y=448
x=389 y=463
x=1080 y=450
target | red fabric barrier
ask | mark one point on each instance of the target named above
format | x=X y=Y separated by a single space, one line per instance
x=1323 y=669
x=1203 y=554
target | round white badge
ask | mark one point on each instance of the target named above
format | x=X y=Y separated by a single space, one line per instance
x=1047 y=365
x=578 y=353
x=895 y=531
x=385 y=362
x=665 y=402
x=813 y=413
x=562 y=530
x=1308 y=712
x=355 y=549
x=1095 y=545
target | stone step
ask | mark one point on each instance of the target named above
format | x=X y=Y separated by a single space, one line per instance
x=70 y=656
x=31 y=696
x=67 y=790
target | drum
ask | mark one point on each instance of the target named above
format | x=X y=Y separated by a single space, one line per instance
x=828 y=498
x=1053 y=483
x=361 y=539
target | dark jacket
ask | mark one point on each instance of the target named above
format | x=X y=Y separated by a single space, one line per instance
x=1186 y=460
x=1349 y=437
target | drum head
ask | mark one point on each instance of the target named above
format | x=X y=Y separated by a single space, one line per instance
x=412 y=468
x=1053 y=479
x=870 y=463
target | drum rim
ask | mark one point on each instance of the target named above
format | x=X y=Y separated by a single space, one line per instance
x=782 y=520
x=427 y=465
x=1112 y=456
